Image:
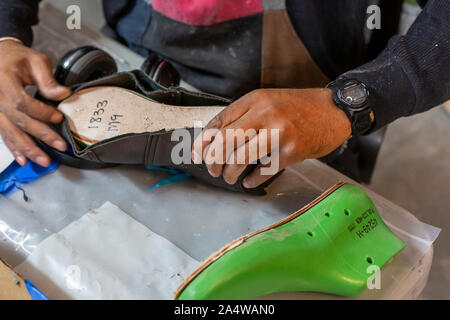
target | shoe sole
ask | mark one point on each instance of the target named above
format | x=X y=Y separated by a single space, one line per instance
x=100 y=113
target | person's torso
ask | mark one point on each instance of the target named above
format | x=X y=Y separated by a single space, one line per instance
x=234 y=46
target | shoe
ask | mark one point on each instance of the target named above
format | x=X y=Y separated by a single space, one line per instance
x=127 y=118
x=332 y=245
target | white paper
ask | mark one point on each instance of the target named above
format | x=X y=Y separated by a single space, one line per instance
x=6 y=157
x=106 y=254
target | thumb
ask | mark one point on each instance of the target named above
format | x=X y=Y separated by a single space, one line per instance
x=41 y=73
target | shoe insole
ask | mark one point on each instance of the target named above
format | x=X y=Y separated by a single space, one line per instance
x=100 y=113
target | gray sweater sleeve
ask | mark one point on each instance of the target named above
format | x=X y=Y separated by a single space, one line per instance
x=412 y=74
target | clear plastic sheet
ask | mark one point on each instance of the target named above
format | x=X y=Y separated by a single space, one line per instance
x=197 y=218
x=107 y=255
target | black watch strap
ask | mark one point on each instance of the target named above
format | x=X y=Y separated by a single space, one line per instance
x=360 y=120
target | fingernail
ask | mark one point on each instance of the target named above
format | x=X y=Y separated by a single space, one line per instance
x=56 y=117
x=230 y=181
x=21 y=160
x=63 y=92
x=212 y=173
x=246 y=183
x=60 y=145
x=42 y=161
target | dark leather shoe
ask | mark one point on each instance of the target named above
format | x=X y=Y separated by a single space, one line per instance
x=147 y=148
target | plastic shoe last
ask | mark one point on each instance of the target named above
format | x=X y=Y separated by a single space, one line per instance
x=327 y=246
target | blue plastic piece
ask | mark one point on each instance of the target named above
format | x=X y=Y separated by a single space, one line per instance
x=15 y=176
x=177 y=176
x=34 y=292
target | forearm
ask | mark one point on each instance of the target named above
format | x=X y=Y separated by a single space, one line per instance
x=17 y=17
x=412 y=74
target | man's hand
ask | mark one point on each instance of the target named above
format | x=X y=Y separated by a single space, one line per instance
x=309 y=124
x=19 y=112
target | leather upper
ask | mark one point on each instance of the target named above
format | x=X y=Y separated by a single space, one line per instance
x=149 y=148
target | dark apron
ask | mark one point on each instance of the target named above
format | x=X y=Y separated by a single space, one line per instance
x=285 y=62
x=234 y=57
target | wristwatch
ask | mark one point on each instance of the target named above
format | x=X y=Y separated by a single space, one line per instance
x=352 y=97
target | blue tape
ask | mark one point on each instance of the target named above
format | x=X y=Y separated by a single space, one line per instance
x=34 y=292
x=177 y=176
x=15 y=176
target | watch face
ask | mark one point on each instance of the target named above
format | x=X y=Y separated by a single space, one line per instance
x=354 y=95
